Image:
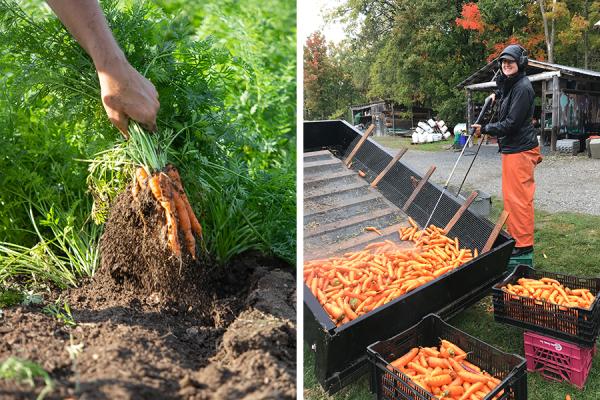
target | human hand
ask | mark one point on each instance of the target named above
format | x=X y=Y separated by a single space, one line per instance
x=477 y=128
x=127 y=94
x=493 y=97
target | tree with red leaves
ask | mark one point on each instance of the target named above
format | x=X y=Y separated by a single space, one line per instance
x=471 y=18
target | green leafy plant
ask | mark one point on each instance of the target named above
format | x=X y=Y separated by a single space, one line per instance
x=10 y=297
x=61 y=311
x=231 y=104
x=25 y=371
x=68 y=254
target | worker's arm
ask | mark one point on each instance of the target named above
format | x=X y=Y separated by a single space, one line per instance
x=125 y=92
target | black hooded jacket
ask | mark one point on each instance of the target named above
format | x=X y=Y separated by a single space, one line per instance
x=514 y=128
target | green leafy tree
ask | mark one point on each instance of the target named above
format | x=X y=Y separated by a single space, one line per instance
x=328 y=84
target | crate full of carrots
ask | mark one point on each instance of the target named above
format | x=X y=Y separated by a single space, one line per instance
x=434 y=360
x=562 y=306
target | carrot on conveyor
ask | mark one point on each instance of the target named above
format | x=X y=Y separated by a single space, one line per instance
x=359 y=282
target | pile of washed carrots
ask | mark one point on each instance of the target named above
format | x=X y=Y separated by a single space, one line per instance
x=359 y=282
x=167 y=189
x=445 y=372
x=552 y=291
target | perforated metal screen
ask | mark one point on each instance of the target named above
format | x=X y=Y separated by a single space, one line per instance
x=397 y=186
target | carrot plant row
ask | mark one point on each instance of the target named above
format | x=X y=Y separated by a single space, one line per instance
x=359 y=282
x=445 y=372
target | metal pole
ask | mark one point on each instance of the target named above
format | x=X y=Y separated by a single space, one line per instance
x=488 y=101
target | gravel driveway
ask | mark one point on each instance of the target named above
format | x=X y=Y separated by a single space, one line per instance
x=563 y=183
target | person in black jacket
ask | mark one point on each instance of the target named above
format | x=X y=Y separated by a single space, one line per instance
x=518 y=144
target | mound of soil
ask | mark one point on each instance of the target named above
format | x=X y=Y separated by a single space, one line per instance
x=135 y=256
x=152 y=327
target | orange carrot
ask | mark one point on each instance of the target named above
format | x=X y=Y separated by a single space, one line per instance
x=373 y=229
x=453 y=391
x=417 y=367
x=164 y=196
x=174 y=175
x=438 y=362
x=439 y=380
x=184 y=223
x=453 y=348
x=405 y=359
x=140 y=180
x=472 y=377
x=471 y=390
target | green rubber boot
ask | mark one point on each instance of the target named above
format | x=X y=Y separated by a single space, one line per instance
x=526 y=259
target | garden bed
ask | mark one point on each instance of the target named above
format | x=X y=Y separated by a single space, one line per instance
x=238 y=343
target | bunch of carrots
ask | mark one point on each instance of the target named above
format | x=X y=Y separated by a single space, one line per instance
x=445 y=372
x=359 y=282
x=168 y=190
x=552 y=291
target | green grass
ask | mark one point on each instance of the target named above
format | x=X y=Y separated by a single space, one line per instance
x=27 y=372
x=564 y=243
x=397 y=142
x=61 y=311
x=10 y=297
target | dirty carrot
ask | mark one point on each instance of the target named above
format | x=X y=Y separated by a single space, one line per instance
x=184 y=223
x=373 y=229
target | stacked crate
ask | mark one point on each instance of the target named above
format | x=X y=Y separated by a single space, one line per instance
x=559 y=341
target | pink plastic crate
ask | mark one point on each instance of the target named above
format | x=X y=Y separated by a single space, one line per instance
x=557 y=360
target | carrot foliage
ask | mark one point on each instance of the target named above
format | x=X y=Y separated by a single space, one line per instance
x=229 y=96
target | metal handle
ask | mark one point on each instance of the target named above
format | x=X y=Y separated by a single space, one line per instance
x=486 y=104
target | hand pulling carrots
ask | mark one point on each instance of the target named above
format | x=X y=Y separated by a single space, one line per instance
x=450 y=379
x=551 y=291
x=382 y=272
x=168 y=190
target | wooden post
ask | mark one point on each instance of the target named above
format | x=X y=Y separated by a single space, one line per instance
x=460 y=212
x=362 y=140
x=495 y=232
x=555 y=112
x=415 y=192
x=389 y=166
x=543 y=115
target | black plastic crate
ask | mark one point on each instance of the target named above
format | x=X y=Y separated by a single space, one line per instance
x=575 y=325
x=392 y=385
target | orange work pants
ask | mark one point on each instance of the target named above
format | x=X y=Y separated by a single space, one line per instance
x=518 y=188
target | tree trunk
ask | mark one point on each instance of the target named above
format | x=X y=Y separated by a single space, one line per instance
x=548 y=33
x=585 y=36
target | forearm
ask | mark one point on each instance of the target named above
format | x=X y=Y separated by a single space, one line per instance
x=85 y=21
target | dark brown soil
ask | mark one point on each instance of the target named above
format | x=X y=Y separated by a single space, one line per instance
x=135 y=255
x=174 y=330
